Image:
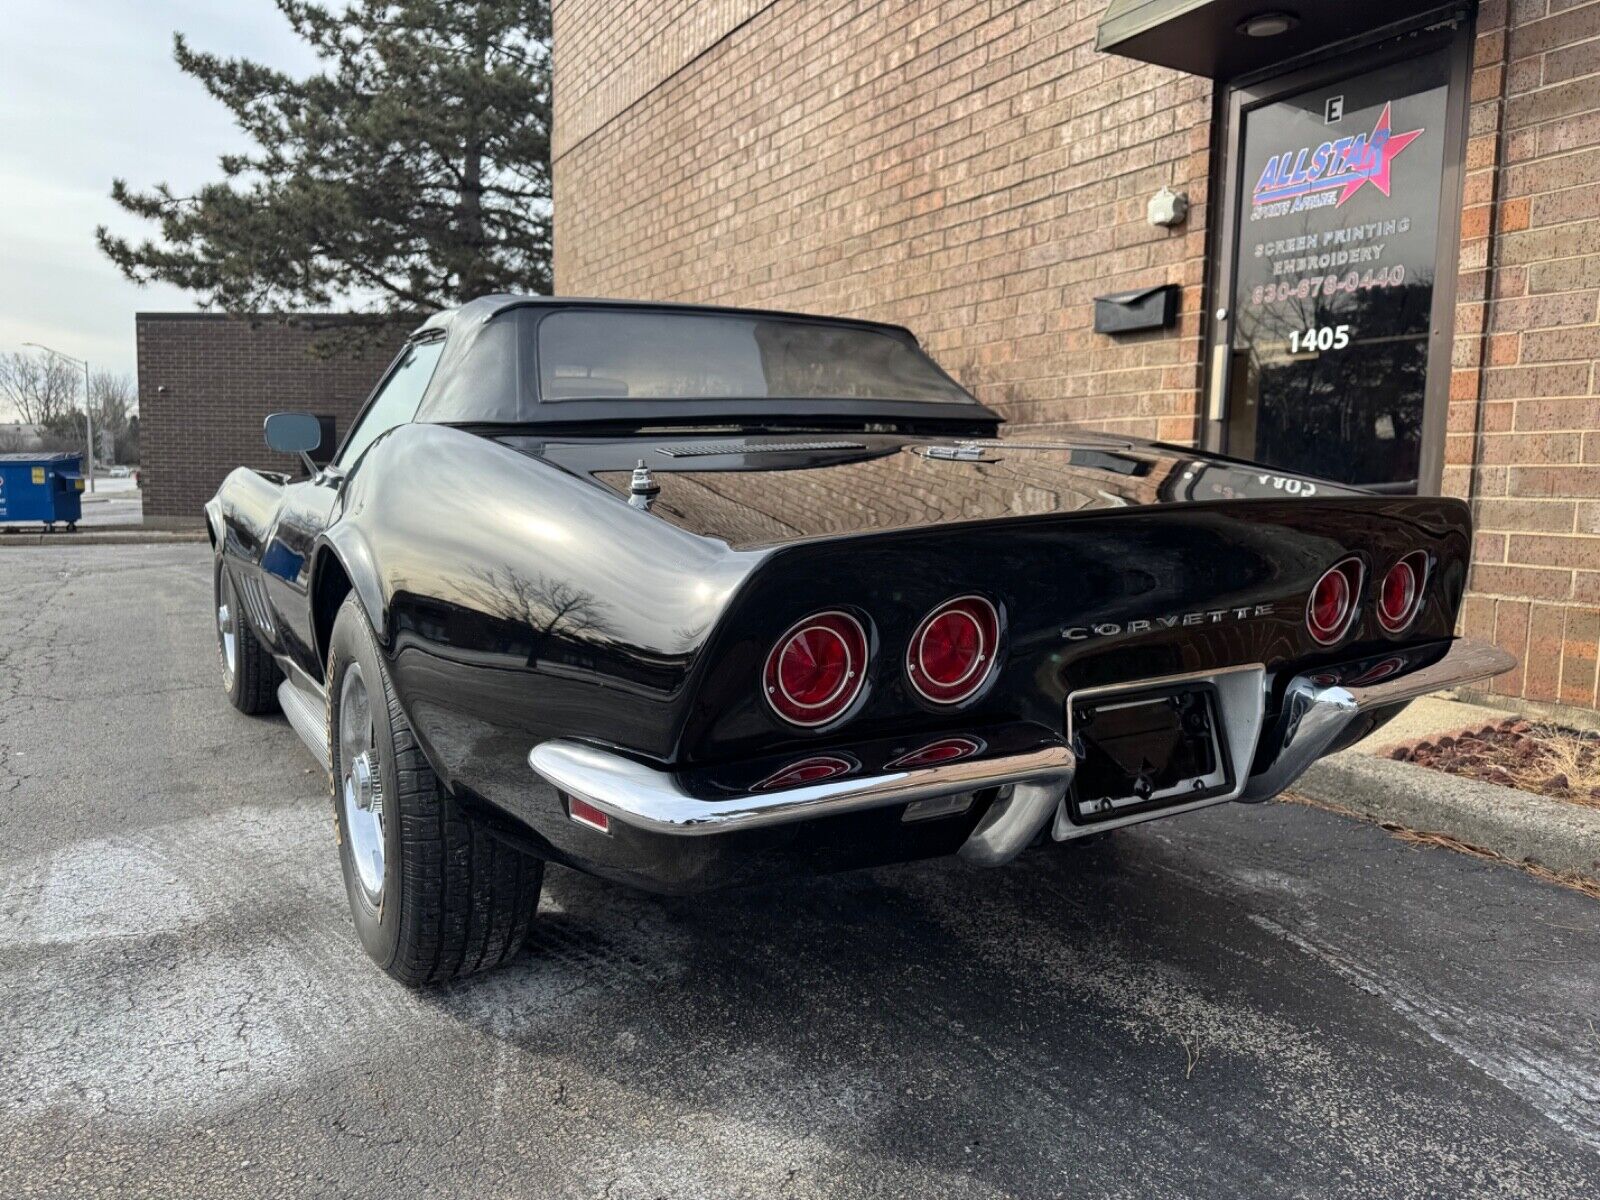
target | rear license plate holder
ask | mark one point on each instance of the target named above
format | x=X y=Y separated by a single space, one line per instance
x=1145 y=749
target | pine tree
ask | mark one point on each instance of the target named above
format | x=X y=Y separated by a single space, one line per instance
x=410 y=173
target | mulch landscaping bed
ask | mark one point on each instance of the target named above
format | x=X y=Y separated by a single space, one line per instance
x=1547 y=759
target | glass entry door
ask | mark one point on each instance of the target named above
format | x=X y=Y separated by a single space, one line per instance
x=1332 y=348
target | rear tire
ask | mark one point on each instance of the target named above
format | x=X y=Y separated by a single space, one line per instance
x=435 y=895
x=249 y=673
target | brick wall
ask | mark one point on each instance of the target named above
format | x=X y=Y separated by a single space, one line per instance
x=1525 y=410
x=609 y=58
x=971 y=169
x=207 y=382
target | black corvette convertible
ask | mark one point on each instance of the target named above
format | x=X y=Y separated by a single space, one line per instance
x=686 y=597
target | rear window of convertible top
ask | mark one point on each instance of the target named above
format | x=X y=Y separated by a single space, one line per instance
x=601 y=355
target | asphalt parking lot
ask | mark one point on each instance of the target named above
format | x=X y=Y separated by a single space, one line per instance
x=113 y=502
x=1247 y=1002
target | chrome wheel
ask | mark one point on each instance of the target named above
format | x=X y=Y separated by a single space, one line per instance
x=362 y=784
x=227 y=627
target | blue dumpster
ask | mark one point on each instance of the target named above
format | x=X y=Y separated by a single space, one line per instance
x=41 y=487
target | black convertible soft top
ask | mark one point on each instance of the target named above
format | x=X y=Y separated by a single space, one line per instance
x=490 y=373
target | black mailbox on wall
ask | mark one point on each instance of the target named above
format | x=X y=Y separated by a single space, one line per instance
x=1134 y=312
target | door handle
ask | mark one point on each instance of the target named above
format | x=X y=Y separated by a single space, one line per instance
x=1219 y=378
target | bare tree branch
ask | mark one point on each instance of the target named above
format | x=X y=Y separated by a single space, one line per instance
x=42 y=389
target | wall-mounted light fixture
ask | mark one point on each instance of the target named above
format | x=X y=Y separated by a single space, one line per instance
x=1167 y=208
x=1268 y=24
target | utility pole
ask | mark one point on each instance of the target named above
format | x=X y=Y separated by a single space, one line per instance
x=88 y=415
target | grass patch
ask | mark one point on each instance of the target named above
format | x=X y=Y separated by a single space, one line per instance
x=1549 y=760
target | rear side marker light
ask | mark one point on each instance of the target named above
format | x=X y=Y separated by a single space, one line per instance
x=1400 y=594
x=954 y=650
x=585 y=813
x=1332 y=606
x=817 y=769
x=950 y=749
x=1378 y=671
x=817 y=669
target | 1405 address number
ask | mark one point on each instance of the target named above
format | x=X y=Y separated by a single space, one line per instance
x=1329 y=337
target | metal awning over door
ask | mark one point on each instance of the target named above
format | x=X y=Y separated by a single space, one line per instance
x=1222 y=39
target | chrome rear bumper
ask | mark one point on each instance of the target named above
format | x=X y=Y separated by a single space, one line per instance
x=1033 y=783
x=1318 y=709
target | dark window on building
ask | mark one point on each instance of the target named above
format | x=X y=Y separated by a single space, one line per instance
x=323 y=454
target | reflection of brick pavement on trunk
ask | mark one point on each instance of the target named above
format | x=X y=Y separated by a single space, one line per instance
x=901 y=490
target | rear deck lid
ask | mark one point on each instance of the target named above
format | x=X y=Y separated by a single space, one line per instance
x=750 y=492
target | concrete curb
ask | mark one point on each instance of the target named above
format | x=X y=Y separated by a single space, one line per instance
x=1513 y=823
x=90 y=536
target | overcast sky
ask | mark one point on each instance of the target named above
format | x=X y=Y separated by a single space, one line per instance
x=89 y=92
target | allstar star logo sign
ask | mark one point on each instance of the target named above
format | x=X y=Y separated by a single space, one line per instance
x=1383 y=147
x=1348 y=164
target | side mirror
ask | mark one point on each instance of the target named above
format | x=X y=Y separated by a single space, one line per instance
x=292 y=432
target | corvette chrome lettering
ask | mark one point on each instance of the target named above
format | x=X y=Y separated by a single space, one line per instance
x=1212 y=616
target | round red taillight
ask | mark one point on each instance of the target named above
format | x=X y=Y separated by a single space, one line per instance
x=1401 y=594
x=953 y=651
x=817 y=669
x=1333 y=601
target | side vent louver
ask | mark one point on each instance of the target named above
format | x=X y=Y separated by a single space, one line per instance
x=254 y=596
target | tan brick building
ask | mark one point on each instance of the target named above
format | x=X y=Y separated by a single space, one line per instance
x=207 y=381
x=1389 y=271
